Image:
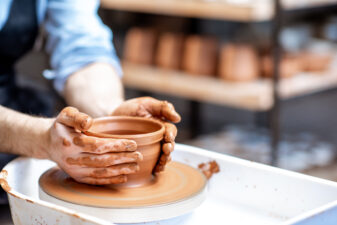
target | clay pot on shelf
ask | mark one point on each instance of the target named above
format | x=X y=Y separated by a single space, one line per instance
x=200 y=55
x=147 y=133
x=315 y=62
x=169 y=52
x=238 y=63
x=140 y=44
x=290 y=65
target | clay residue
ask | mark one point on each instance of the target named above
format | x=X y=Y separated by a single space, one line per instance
x=66 y=142
x=30 y=201
x=209 y=168
x=3 y=181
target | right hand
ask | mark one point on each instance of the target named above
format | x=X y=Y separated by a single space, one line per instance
x=87 y=159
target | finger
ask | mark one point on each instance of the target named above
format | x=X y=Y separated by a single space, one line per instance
x=104 y=145
x=162 y=163
x=164 y=159
x=105 y=160
x=71 y=117
x=170 y=132
x=111 y=171
x=162 y=109
x=159 y=168
x=103 y=181
x=168 y=148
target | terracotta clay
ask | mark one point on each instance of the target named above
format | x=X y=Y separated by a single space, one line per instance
x=70 y=116
x=177 y=183
x=290 y=66
x=200 y=55
x=238 y=63
x=210 y=168
x=312 y=62
x=140 y=45
x=3 y=181
x=169 y=51
x=147 y=133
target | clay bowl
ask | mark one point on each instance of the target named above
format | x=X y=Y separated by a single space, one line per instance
x=147 y=133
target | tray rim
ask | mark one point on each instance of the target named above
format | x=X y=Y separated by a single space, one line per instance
x=188 y=149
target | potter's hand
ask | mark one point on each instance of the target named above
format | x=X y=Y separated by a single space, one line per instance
x=89 y=159
x=153 y=108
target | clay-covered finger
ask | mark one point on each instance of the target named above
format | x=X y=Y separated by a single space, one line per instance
x=159 y=168
x=168 y=148
x=112 y=171
x=103 y=181
x=170 y=132
x=170 y=113
x=164 y=159
x=71 y=117
x=162 y=109
x=104 y=145
x=105 y=160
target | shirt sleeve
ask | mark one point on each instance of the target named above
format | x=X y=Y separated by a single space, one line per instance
x=76 y=36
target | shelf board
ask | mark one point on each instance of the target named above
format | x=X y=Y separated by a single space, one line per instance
x=244 y=10
x=255 y=96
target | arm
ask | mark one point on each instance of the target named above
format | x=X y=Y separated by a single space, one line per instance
x=86 y=159
x=84 y=65
x=22 y=134
x=96 y=89
x=76 y=48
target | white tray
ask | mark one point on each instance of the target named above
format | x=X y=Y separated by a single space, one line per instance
x=243 y=192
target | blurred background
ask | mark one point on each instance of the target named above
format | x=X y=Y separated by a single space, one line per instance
x=213 y=59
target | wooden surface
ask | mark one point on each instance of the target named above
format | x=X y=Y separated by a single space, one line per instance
x=244 y=10
x=256 y=95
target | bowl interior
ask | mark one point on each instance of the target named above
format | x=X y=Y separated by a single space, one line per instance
x=135 y=128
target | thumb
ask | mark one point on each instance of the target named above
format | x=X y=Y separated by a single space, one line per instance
x=71 y=117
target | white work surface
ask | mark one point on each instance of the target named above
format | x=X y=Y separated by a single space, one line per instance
x=243 y=192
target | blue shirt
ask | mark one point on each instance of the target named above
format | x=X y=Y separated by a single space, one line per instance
x=76 y=36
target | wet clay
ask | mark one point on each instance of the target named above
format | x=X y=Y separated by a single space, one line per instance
x=147 y=133
x=210 y=168
x=70 y=116
x=3 y=181
x=177 y=183
x=123 y=132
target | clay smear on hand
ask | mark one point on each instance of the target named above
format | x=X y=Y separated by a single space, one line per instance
x=209 y=168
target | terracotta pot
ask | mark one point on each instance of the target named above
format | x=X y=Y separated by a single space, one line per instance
x=169 y=51
x=147 y=133
x=315 y=62
x=290 y=65
x=200 y=55
x=140 y=44
x=238 y=62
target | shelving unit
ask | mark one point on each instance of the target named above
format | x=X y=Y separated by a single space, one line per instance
x=251 y=96
x=261 y=95
x=244 y=10
x=255 y=95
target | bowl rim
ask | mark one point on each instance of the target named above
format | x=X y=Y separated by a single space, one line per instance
x=159 y=132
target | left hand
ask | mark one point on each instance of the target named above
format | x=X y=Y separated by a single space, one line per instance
x=152 y=108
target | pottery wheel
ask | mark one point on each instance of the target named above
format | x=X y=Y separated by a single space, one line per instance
x=177 y=183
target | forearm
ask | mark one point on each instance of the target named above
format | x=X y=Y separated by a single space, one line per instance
x=22 y=134
x=95 y=89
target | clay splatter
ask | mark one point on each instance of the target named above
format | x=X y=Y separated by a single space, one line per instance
x=209 y=168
